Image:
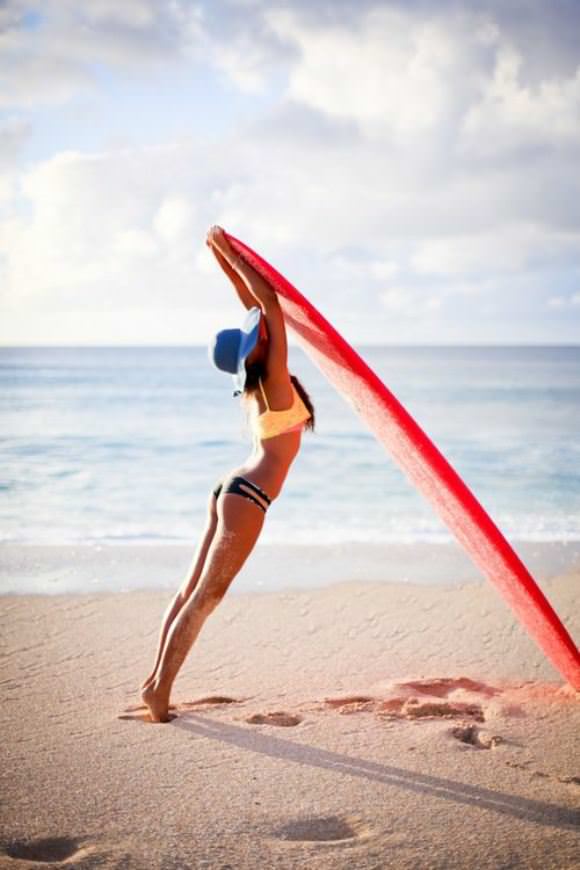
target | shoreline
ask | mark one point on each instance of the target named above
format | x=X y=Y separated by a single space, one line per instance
x=95 y=568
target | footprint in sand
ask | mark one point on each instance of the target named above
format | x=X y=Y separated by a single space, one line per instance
x=405 y=708
x=138 y=708
x=352 y=704
x=442 y=687
x=413 y=708
x=48 y=850
x=327 y=829
x=209 y=701
x=570 y=780
x=472 y=736
x=279 y=718
x=140 y=712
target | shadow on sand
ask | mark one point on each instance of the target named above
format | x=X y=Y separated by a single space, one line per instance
x=538 y=812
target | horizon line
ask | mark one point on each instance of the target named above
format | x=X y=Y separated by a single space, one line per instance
x=193 y=345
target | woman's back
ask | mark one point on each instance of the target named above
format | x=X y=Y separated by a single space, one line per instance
x=268 y=422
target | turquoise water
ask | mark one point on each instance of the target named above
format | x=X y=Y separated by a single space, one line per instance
x=123 y=445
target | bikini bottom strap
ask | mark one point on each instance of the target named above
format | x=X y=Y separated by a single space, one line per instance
x=240 y=486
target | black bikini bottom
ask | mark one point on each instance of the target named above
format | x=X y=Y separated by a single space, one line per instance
x=245 y=487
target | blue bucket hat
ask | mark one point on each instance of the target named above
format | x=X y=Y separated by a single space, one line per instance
x=231 y=347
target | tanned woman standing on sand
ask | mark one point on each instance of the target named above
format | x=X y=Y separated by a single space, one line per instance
x=279 y=410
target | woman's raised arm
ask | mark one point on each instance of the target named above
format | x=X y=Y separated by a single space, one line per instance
x=244 y=294
x=264 y=296
x=261 y=291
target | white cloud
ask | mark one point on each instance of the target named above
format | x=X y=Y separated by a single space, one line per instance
x=403 y=74
x=14 y=132
x=380 y=165
x=57 y=58
x=383 y=269
x=511 y=115
x=510 y=248
x=409 y=302
x=138 y=14
x=174 y=219
x=390 y=72
x=127 y=228
x=135 y=243
x=564 y=301
x=243 y=59
x=348 y=268
x=104 y=225
x=124 y=326
x=506 y=249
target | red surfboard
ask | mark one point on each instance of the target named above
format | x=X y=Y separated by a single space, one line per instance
x=425 y=465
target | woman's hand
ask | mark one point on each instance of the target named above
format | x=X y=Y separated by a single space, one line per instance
x=218 y=243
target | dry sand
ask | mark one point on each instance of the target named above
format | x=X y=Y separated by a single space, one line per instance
x=355 y=726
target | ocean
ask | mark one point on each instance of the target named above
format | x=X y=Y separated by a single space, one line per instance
x=103 y=446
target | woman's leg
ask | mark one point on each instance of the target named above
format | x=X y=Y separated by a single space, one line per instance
x=239 y=525
x=186 y=589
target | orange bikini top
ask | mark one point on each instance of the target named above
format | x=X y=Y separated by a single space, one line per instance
x=271 y=423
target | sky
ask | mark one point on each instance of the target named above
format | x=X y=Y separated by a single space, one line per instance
x=411 y=166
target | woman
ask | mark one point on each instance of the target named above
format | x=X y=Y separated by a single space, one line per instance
x=279 y=409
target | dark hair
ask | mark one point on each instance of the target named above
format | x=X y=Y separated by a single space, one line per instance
x=255 y=371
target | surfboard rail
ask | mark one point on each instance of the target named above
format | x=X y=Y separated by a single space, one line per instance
x=425 y=466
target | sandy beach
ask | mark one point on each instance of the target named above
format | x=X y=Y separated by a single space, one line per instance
x=357 y=725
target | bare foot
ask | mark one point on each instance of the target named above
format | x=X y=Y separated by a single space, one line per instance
x=157 y=704
x=149 y=679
